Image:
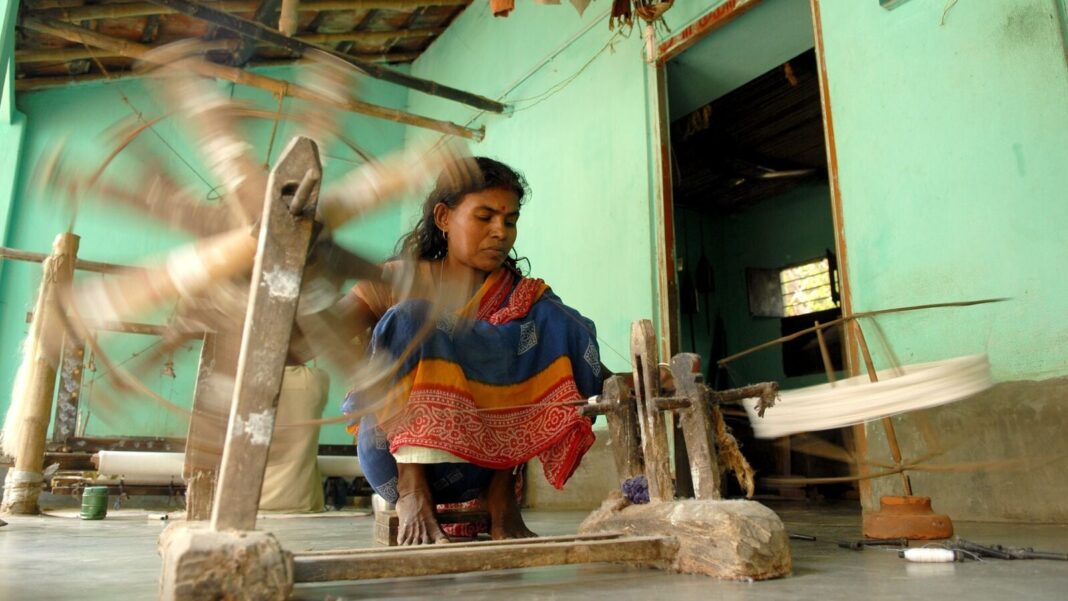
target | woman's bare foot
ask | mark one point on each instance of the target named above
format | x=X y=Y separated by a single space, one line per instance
x=499 y=500
x=415 y=508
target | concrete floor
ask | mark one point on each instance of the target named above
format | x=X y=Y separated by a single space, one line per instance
x=62 y=557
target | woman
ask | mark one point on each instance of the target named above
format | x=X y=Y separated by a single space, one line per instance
x=489 y=365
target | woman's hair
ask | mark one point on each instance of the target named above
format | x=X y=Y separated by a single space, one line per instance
x=426 y=241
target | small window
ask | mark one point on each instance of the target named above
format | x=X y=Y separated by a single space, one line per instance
x=794 y=290
x=808 y=288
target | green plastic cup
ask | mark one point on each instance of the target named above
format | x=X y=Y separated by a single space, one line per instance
x=95 y=503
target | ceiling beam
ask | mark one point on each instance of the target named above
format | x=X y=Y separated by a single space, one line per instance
x=138 y=51
x=30 y=84
x=370 y=37
x=259 y=32
x=266 y=12
x=143 y=9
x=74 y=53
x=62 y=55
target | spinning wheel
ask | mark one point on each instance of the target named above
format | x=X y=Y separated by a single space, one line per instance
x=207 y=281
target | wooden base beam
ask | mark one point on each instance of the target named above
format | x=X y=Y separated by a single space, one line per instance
x=476 y=557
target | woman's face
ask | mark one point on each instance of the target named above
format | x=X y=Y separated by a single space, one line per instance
x=481 y=229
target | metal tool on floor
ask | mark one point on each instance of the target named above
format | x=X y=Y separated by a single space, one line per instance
x=1001 y=552
x=860 y=545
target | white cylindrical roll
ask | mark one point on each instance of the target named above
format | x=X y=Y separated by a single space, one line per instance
x=140 y=467
x=929 y=555
x=857 y=400
x=344 y=466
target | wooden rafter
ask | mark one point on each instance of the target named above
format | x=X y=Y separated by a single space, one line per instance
x=265 y=13
x=137 y=51
x=73 y=53
x=127 y=10
x=259 y=32
x=370 y=37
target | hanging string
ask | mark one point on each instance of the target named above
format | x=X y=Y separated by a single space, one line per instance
x=274 y=127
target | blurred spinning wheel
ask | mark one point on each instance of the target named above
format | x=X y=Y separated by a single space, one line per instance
x=207 y=280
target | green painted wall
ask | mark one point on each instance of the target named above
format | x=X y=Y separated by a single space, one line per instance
x=80 y=114
x=12 y=122
x=950 y=141
x=951 y=150
x=786 y=229
x=585 y=149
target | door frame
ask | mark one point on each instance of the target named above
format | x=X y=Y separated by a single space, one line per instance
x=658 y=55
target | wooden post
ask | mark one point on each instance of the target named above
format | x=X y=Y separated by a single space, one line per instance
x=650 y=418
x=623 y=428
x=23 y=484
x=697 y=426
x=888 y=424
x=207 y=423
x=276 y=279
x=288 y=18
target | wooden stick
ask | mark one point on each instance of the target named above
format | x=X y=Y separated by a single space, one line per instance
x=287 y=17
x=207 y=423
x=76 y=53
x=697 y=426
x=22 y=487
x=275 y=86
x=622 y=419
x=849 y=433
x=259 y=32
x=477 y=544
x=846 y=318
x=650 y=419
x=441 y=559
x=127 y=10
x=121 y=327
x=15 y=254
x=370 y=37
x=888 y=424
x=276 y=279
x=825 y=355
x=30 y=84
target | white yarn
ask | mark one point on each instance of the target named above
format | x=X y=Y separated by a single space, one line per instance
x=857 y=400
x=927 y=555
x=15 y=411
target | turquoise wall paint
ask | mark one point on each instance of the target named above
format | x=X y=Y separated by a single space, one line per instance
x=588 y=228
x=12 y=122
x=950 y=144
x=80 y=114
x=951 y=166
x=723 y=61
x=779 y=231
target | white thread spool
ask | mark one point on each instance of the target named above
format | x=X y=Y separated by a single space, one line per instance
x=928 y=555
